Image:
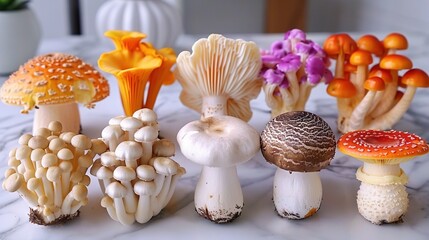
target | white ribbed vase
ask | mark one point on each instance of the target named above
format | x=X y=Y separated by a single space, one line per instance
x=160 y=21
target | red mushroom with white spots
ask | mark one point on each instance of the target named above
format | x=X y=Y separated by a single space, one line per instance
x=382 y=197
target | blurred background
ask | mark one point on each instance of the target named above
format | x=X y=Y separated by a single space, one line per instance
x=77 y=17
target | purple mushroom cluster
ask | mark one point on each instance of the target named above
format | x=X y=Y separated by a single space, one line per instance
x=291 y=68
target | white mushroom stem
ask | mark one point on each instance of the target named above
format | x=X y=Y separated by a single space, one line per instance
x=78 y=193
x=218 y=194
x=36 y=185
x=76 y=205
x=294 y=86
x=47 y=185
x=15 y=182
x=361 y=75
x=357 y=119
x=304 y=93
x=144 y=208
x=117 y=192
x=388 y=96
x=67 y=114
x=387 y=120
x=107 y=202
x=173 y=183
x=296 y=195
x=374 y=169
x=66 y=169
x=54 y=175
x=214 y=106
x=158 y=200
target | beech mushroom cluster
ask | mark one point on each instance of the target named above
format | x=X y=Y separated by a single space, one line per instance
x=48 y=170
x=300 y=144
x=369 y=95
x=137 y=173
x=382 y=197
x=290 y=70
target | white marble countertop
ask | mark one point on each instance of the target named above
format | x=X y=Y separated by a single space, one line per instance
x=338 y=217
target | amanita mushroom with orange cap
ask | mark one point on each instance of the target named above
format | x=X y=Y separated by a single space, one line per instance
x=394 y=42
x=339 y=46
x=361 y=59
x=220 y=77
x=300 y=144
x=54 y=83
x=382 y=197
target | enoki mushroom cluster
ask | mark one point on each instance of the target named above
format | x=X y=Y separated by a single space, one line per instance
x=137 y=174
x=48 y=170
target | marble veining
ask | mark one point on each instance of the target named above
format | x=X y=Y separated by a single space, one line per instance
x=338 y=217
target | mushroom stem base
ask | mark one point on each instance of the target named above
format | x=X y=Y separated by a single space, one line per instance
x=297 y=195
x=382 y=204
x=37 y=218
x=218 y=195
x=66 y=113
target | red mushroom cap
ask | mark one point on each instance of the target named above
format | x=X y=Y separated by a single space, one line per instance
x=382 y=147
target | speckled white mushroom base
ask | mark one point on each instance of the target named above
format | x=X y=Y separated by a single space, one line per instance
x=382 y=204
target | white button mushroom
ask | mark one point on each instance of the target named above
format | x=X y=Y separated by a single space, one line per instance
x=300 y=144
x=130 y=152
x=218 y=143
x=112 y=136
x=146 y=136
x=130 y=126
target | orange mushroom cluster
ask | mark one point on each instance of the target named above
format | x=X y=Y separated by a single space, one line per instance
x=370 y=94
x=136 y=64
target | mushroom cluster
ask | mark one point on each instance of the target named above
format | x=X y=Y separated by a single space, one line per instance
x=290 y=70
x=135 y=65
x=369 y=96
x=137 y=173
x=382 y=197
x=300 y=144
x=53 y=84
x=48 y=170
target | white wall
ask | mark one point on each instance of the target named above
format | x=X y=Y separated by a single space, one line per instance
x=368 y=15
x=247 y=16
x=53 y=17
